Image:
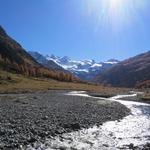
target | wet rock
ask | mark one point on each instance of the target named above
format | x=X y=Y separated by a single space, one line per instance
x=32 y=140
x=131 y=146
x=62 y=148
x=73 y=126
x=105 y=145
x=146 y=146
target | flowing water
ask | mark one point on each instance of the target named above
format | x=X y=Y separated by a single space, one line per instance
x=132 y=132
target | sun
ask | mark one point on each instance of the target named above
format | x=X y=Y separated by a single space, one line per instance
x=113 y=14
x=116 y=3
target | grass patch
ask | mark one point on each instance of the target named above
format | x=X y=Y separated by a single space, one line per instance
x=146 y=98
x=19 y=83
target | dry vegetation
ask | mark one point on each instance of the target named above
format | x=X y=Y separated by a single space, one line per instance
x=146 y=96
x=18 y=83
x=14 y=83
x=145 y=87
x=32 y=70
x=13 y=58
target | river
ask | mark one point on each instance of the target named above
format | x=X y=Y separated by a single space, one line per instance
x=132 y=132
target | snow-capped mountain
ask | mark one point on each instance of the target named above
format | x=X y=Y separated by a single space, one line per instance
x=45 y=62
x=84 y=69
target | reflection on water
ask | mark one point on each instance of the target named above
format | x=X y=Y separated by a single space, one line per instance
x=131 y=132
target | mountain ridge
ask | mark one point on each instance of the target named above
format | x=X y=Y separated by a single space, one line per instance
x=83 y=69
x=46 y=63
x=127 y=73
x=14 y=58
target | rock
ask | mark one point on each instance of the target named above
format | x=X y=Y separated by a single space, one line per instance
x=62 y=148
x=131 y=146
x=2 y=132
x=50 y=116
x=45 y=118
x=106 y=145
x=75 y=126
x=32 y=140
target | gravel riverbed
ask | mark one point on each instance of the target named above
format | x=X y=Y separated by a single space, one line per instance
x=30 y=117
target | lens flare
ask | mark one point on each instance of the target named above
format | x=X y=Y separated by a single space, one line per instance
x=116 y=3
x=115 y=13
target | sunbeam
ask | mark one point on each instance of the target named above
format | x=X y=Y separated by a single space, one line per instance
x=115 y=13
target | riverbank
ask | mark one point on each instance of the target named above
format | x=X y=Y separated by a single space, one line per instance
x=139 y=96
x=15 y=83
x=131 y=132
x=30 y=117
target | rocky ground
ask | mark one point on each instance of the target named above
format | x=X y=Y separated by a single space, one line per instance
x=30 y=117
x=138 y=98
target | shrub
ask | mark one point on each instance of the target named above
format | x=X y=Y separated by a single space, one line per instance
x=8 y=78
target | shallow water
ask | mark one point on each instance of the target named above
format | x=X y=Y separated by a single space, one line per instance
x=132 y=131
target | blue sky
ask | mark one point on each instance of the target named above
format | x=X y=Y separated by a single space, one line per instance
x=81 y=29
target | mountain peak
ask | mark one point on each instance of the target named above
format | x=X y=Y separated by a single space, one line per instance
x=52 y=56
x=127 y=73
x=113 y=60
x=84 y=69
x=65 y=59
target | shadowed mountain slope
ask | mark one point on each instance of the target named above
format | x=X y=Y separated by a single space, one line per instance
x=127 y=73
x=83 y=69
x=15 y=59
x=47 y=63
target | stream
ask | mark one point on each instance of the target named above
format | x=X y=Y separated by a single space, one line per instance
x=132 y=132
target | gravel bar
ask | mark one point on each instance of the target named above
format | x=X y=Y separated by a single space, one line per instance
x=30 y=117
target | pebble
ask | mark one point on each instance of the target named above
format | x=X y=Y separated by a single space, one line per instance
x=30 y=118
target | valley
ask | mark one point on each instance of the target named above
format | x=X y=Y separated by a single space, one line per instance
x=30 y=118
x=48 y=102
x=83 y=69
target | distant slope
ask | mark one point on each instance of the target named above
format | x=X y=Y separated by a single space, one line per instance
x=15 y=59
x=12 y=54
x=128 y=73
x=47 y=63
x=83 y=69
x=144 y=84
